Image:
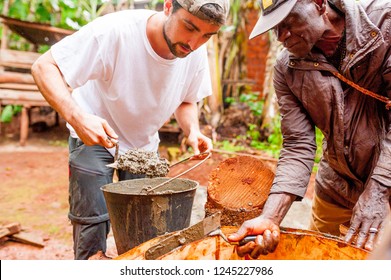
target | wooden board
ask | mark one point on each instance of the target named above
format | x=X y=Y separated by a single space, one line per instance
x=19 y=87
x=28 y=238
x=17 y=59
x=21 y=96
x=36 y=33
x=10 y=229
x=8 y=77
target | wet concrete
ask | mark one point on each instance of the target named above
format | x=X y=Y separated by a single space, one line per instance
x=143 y=162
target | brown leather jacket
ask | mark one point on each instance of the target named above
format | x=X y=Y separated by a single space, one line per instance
x=356 y=127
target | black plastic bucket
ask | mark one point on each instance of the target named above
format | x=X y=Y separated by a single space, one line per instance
x=137 y=217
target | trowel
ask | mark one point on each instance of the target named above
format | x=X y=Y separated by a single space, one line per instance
x=210 y=226
x=244 y=241
x=116 y=145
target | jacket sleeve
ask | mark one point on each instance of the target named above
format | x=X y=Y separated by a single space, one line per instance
x=299 y=145
x=382 y=170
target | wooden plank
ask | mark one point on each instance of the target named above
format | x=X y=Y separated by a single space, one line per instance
x=22 y=87
x=19 y=59
x=15 y=77
x=4 y=232
x=10 y=229
x=28 y=238
x=21 y=95
x=37 y=33
x=19 y=64
x=27 y=103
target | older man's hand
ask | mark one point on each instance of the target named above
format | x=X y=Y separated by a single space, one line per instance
x=268 y=236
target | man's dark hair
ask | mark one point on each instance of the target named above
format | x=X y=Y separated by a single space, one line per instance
x=210 y=12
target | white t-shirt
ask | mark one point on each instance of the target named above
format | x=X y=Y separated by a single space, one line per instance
x=117 y=75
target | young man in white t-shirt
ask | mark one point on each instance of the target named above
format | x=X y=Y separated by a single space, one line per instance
x=129 y=71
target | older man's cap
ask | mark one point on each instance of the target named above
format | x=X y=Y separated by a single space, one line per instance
x=273 y=12
x=193 y=6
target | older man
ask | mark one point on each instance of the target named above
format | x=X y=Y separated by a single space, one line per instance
x=334 y=73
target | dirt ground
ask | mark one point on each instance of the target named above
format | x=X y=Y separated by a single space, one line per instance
x=34 y=187
x=34 y=192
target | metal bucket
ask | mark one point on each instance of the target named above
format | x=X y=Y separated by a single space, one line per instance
x=137 y=216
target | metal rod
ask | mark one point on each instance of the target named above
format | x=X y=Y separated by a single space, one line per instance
x=179 y=175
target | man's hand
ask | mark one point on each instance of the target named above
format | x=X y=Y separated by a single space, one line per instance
x=265 y=226
x=187 y=118
x=93 y=130
x=268 y=236
x=369 y=213
x=199 y=143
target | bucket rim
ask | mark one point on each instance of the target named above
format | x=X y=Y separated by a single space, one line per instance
x=104 y=188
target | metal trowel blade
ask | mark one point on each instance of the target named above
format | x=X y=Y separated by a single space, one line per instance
x=184 y=236
x=113 y=165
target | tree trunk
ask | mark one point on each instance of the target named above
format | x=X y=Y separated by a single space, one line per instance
x=214 y=106
x=238 y=188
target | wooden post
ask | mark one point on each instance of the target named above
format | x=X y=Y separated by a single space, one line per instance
x=24 y=126
x=5 y=28
x=3 y=44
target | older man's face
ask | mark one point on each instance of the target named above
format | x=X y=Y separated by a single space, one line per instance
x=301 y=29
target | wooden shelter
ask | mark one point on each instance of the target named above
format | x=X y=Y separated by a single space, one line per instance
x=17 y=86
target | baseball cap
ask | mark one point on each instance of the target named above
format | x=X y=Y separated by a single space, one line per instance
x=193 y=6
x=273 y=12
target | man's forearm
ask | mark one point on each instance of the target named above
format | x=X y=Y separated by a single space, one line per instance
x=277 y=205
x=49 y=80
x=187 y=117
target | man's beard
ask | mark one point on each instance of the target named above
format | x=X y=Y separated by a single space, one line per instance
x=173 y=46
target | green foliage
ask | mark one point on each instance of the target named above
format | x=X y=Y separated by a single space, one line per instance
x=229 y=146
x=273 y=144
x=153 y=4
x=253 y=132
x=252 y=100
x=319 y=149
x=8 y=112
x=67 y=14
x=19 y=9
x=230 y=100
x=274 y=141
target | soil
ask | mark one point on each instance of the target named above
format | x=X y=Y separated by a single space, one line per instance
x=34 y=190
x=34 y=186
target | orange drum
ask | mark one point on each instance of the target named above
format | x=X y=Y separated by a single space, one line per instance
x=294 y=245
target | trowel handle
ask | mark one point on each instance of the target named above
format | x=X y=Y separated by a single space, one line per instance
x=116 y=144
x=247 y=239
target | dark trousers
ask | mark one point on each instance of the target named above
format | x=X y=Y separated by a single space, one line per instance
x=88 y=212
